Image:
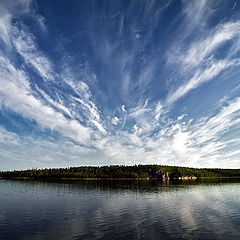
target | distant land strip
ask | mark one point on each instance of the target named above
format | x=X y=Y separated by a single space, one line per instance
x=122 y=172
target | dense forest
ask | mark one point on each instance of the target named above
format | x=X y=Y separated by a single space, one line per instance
x=121 y=171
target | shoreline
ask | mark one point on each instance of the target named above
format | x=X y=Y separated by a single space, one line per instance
x=123 y=173
x=117 y=179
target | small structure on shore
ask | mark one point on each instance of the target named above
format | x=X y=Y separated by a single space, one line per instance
x=159 y=174
x=187 y=178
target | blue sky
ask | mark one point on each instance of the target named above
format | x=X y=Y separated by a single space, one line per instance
x=100 y=82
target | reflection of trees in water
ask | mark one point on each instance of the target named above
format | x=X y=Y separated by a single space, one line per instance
x=128 y=185
x=123 y=209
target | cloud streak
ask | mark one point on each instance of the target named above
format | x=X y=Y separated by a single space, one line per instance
x=201 y=76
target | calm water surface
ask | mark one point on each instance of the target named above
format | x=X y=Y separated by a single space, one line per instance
x=118 y=210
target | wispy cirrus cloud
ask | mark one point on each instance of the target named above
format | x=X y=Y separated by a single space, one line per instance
x=25 y=45
x=183 y=142
x=18 y=95
x=198 y=60
x=205 y=48
x=201 y=76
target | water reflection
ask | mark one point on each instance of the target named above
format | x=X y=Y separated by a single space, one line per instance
x=119 y=210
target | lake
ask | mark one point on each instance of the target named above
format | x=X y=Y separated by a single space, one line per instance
x=119 y=210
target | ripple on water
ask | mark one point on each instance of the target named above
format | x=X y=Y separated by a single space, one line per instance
x=45 y=210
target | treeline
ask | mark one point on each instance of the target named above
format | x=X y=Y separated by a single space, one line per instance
x=121 y=171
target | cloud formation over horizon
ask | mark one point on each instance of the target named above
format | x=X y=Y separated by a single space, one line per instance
x=125 y=82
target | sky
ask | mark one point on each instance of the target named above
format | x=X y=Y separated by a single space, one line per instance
x=105 y=82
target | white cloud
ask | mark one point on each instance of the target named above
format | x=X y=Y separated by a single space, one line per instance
x=25 y=45
x=4 y=28
x=41 y=22
x=180 y=141
x=16 y=94
x=55 y=104
x=158 y=111
x=195 y=11
x=123 y=107
x=115 y=120
x=198 y=144
x=197 y=60
x=28 y=152
x=202 y=49
x=200 y=77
